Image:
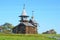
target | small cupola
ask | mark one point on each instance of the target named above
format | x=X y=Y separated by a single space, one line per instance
x=32 y=20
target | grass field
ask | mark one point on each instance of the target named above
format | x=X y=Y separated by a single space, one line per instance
x=27 y=36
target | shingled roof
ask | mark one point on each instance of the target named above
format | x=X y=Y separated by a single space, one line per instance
x=27 y=24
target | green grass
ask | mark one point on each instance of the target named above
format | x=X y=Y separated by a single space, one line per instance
x=27 y=36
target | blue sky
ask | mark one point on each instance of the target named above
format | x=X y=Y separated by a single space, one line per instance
x=47 y=12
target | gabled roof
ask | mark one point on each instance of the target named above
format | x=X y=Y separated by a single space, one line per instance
x=34 y=21
x=27 y=24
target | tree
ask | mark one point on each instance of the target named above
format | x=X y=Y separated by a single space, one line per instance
x=7 y=27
